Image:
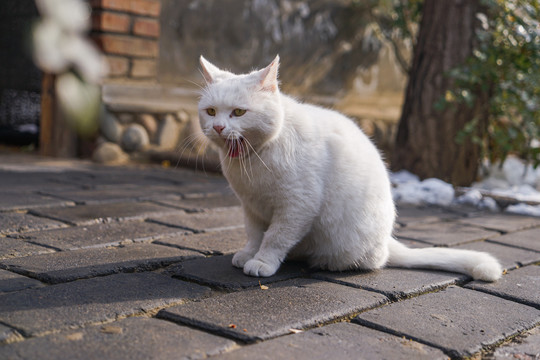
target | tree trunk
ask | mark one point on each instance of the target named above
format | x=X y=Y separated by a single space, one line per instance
x=426 y=138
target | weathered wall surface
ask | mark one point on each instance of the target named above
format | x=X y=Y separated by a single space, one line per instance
x=329 y=54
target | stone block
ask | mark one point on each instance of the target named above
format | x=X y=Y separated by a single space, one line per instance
x=336 y=341
x=96 y=213
x=146 y=27
x=459 y=321
x=18 y=200
x=110 y=154
x=126 y=45
x=109 y=126
x=200 y=204
x=394 y=283
x=10 y=281
x=445 y=233
x=527 y=239
x=526 y=347
x=218 y=271
x=118 y=65
x=135 y=338
x=86 y=263
x=17 y=222
x=142 y=68
x=259 y=314
x=134 y=138
x=12 y=247
x=110 y=22
x=502 y=222
x=37 y=312
x=211 y=220
x=168 y=132
x=8 y=335
x=212 y=243
x=408 y=215
x=521 y=285
x=101 y=235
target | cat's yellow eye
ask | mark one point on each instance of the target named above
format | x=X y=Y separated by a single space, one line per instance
x=211 y=111
x=239 y=112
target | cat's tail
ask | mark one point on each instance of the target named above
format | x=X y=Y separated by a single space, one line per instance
x=479 y=265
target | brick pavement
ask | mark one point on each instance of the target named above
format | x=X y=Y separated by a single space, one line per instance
x=134 y=263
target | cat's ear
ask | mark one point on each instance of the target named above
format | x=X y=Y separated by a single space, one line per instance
x=269 y=76
x=209 y=71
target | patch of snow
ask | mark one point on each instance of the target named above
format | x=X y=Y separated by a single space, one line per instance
x=524 y=209
x=430 y=191
x=514 y=180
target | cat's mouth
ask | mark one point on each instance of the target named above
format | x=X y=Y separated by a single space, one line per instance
x=236 y=147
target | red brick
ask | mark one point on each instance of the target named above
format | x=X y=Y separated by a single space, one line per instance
x=141 y=7
x=143 y=68
x=107 y=21
x=118 y=66
x=146 y=27
x=125 y=45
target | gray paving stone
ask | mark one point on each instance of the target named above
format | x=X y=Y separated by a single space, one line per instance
x=444 y=233
x=198 y=204
x=114 y=193
x=257 y=314
x=218 y=271
x=18 y=200
x=394 y=283
x=95 y=213
x=521 y=285
x=132 y=338
x=502 y=222
x=527 y=239
x=7 y=335
x=458 y=321
x=336 y=341
x=10 y=248
x=212 y=243
x=408 y=215
x=85 y=263
x=510 y=257
x=14 y=222
x=10 y=281
x=101 y=235
x=527 y=348
x=210 y=220
x=70 y=305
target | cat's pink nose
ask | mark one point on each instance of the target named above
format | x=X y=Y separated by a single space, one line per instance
x=219 y=128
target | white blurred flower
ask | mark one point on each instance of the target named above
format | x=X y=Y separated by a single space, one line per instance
x=72 y=15
x=60 y=42
x=85 y=57
x=47 y=39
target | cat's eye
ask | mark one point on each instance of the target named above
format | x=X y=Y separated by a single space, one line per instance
x=239 y=112
x=211 y=111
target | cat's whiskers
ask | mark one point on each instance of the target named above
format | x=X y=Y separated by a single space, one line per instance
x=256 y=154
x=194 y=142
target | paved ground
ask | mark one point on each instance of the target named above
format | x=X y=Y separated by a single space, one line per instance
x=134 y=263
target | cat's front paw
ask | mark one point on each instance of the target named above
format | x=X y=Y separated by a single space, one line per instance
x=258 y=268
x=241 y=258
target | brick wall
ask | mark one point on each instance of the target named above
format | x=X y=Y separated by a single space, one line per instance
x=127 y=31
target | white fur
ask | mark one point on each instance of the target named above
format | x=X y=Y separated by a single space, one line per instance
x=312 y=185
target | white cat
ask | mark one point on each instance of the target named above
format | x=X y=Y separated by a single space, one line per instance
x=311 y=183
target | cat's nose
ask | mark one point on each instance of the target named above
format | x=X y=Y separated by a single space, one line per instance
x=219 y=128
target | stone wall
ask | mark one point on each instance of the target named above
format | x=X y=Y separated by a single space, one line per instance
x=127 y=31
x=329 y=53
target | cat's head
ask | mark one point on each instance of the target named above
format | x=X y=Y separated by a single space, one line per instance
x=240 y=113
